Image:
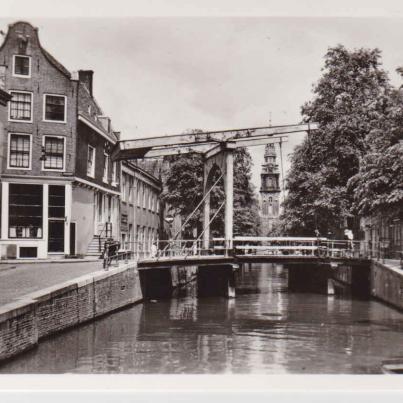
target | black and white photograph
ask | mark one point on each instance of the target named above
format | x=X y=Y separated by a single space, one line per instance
x=193 y=193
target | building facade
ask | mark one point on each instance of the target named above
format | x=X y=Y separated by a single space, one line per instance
x=60 y=191
x=269 y=191
x=140 y=209
x=384 y=235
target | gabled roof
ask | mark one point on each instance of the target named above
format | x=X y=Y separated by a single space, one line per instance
x=54 y=62
x=47 y=55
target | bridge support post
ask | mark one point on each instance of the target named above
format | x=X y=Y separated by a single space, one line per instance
x=206 y=218
x=156 y=283
x=229 y=198
x=216 y=281
x=222 y=160
x=312 y=278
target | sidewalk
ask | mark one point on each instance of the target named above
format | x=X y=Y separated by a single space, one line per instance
x=393 y=263
x=17 y=280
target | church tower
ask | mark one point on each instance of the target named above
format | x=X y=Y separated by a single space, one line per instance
x=269 y=190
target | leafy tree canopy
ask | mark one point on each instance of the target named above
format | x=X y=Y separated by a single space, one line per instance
x=378 y=186
x=184 y=190
x=351 y=100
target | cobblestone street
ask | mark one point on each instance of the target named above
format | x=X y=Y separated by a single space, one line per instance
x=19 y=279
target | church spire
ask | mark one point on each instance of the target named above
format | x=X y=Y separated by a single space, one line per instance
x=269 y=190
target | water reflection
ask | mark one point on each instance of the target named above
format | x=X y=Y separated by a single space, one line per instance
x=264 y=330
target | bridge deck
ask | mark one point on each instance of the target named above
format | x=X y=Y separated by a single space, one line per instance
x=162 y=262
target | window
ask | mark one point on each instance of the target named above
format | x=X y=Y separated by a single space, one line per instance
x=28 y=252
x=54 y=108
x=54 y=153
x=265 y=208
x=275 y=208
x=20 y=106
x=22 y=66
x=145 y=190
x=56 y=214
x=19 y=151
x=124 y=186
x=56 y=205
x=114 y=174
x=25 y=211
x=106 y=168
x=91 y=161
x=139 y=192
x=131 y=186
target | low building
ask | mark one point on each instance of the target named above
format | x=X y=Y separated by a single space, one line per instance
x=140 y=209
x=384 y=235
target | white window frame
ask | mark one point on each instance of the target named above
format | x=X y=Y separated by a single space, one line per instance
x=124 y=186
x=131 y=189
x=144 y=196
x=139 y=192
x=64 y=154
x=105 y=174
x=30 y=151
x=32 y=109
x=44 y=108
x=30 y=67
x=114 y=173
x=92 y=173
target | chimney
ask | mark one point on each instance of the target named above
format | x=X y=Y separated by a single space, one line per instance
x=85 y=76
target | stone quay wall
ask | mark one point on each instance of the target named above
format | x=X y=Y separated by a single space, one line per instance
x=387 y=284
x=48 y=311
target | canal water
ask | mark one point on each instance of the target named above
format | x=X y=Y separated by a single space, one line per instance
x=265 y=330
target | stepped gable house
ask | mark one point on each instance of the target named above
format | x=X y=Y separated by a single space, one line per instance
x=60 y=191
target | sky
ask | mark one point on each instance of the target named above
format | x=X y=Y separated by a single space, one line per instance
x=165 y=75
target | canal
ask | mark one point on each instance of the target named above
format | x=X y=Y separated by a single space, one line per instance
x=265 y=330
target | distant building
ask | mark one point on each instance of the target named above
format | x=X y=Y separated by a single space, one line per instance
x=140 y=209
x=60 y=191
x=269 y=191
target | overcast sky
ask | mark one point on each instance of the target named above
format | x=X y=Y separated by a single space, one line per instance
x=158 y=76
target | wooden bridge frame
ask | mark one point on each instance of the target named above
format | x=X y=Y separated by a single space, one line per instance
x=217 y=147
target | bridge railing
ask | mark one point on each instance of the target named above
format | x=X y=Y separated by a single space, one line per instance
x=262 y=246
x=292 y=246
x=188 y=247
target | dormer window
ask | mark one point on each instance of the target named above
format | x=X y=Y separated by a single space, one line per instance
x=54 y=108
x=21 y=66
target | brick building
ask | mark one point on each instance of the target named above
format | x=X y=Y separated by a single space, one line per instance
x=269 y=191
x=140 y=209
x=60 y=191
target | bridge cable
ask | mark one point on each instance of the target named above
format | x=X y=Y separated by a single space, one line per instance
x=208 y=225
x=196 y=208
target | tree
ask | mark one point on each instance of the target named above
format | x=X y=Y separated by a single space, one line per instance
x=183 y=190
x=350 y=101
x=378 y=186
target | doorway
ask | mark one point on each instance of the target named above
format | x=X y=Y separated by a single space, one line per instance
x=73 y=239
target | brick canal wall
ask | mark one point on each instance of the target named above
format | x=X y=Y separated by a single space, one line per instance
x=48 y=311
x=387 y=284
